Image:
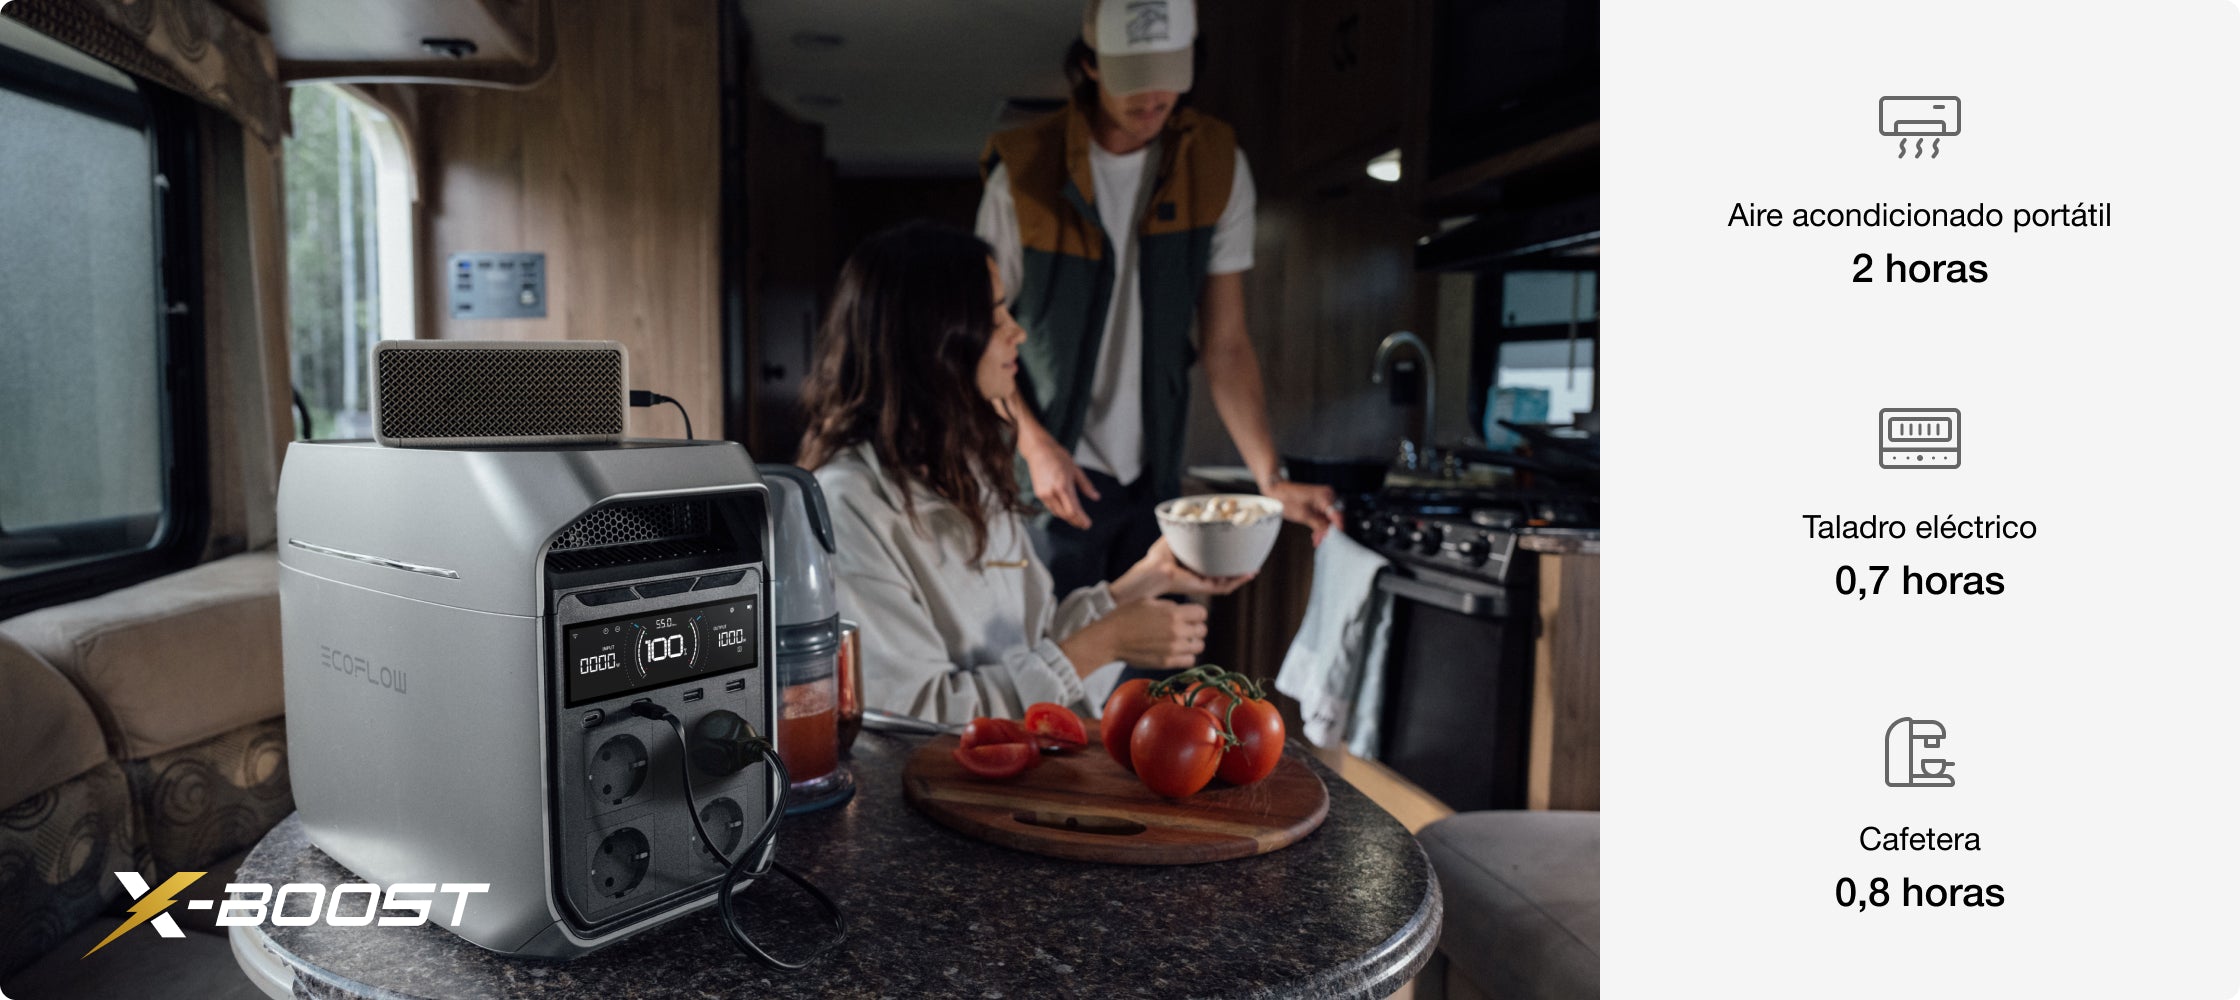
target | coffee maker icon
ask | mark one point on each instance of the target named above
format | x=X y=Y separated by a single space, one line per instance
x=1903 y=765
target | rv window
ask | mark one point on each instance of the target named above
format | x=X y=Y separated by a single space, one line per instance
x=95 y=432
x=349 y=251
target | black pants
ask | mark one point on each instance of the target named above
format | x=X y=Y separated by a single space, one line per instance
x=1121 y=529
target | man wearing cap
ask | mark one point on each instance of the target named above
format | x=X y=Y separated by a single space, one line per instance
x=1118 y=223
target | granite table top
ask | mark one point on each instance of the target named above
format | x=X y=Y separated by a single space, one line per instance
x=1353 y=910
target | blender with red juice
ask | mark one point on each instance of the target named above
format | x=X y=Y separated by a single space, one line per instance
x=807 y=615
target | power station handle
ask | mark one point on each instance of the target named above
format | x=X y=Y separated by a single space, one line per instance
x=820 y=517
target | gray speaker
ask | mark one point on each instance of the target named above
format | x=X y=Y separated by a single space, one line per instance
x=450 y=393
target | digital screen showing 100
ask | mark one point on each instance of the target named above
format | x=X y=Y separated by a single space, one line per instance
x=624 y=655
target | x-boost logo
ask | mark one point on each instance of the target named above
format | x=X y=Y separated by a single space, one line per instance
x=355 y=904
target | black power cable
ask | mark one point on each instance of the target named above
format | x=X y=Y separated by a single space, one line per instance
x=751 y=743
x=643 y=398
x=303 y=416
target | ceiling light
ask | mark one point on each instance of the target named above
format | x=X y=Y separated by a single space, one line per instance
x=1386 y=166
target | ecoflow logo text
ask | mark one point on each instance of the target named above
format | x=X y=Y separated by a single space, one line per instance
x=354 y=904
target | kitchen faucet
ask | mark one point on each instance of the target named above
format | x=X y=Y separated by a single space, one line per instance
x=1419 y=452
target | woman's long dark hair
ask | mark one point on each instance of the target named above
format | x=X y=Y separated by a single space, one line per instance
x=897 y=366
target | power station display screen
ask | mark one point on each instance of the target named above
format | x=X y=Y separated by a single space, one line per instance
x=623 y=655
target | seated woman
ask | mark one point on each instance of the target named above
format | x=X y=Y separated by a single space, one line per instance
x=909 y=436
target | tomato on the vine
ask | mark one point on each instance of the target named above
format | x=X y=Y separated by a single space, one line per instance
x=1210 y=697
x=1259 y=730
x=1122 y=709
x=997 y=760
x=1176 y=748
x=1055 y=727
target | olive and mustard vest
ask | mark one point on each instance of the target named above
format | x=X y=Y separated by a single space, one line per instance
x=1067 y=272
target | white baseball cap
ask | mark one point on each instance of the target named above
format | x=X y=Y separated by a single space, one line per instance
x=1142 y=44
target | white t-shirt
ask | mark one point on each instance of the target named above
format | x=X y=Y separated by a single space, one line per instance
x=1112 y=439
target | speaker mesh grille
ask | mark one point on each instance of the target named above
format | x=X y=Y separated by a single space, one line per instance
x=498 y=393
x=634 y=523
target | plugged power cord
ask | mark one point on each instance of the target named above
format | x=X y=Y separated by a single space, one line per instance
x=643 y=398
x=728 y=743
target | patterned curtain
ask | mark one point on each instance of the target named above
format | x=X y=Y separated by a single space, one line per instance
x=191 y=46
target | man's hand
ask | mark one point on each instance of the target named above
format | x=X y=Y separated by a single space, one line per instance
x=1058 y=481
x=1308 y=504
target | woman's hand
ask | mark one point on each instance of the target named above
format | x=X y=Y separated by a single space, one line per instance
x=1149 y=633
x=1158 y=572
x=1058 y=480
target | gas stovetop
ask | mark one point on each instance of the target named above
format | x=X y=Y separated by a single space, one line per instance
x=1490 y=506
x=1462 y=531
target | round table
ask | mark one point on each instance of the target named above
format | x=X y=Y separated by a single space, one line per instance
x=1353 y=910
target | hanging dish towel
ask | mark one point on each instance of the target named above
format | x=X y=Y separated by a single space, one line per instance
x=1335 y=667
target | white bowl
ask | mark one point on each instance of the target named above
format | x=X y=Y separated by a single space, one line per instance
x=1222 y=548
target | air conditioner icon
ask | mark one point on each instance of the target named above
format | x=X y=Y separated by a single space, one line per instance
x=1918 y=117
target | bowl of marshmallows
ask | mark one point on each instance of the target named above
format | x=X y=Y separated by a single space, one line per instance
x=1221 y=534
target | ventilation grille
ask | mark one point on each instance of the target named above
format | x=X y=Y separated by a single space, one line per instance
x=631 y=555
x=636 y=523
x=501 y=393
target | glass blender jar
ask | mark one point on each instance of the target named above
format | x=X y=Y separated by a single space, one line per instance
x=806 y=610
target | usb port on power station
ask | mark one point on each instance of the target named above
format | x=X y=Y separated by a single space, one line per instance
x=735 y=685
x=694 y=695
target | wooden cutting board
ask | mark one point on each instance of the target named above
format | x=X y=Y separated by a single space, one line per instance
x=1085 y=807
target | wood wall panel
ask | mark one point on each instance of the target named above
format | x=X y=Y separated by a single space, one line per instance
x=610 y=169
x=1564 y=765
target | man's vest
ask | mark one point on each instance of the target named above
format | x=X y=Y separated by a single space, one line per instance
x=1067 y=277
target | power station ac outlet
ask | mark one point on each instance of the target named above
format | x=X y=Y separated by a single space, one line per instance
x=497 y=285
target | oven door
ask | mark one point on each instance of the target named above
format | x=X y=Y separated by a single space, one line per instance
x=1458 y=687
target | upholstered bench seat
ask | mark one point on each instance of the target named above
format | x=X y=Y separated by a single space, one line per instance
x=173 y=661
x=65 y=814
x=1524 y=910
x=144 y=733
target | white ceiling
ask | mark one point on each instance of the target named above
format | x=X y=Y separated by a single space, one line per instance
x=918 y=82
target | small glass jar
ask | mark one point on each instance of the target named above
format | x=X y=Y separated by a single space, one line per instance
x=809 y=715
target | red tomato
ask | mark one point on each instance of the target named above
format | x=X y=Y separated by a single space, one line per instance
x=1259 y=729
x=987 y=732
x=997 y=760
x=1176 y=748
x=1055 y=727
x=1121 y=710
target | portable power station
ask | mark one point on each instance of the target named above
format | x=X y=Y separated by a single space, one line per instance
x=465 y=631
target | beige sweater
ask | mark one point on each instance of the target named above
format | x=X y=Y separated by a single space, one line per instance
x=943 y=638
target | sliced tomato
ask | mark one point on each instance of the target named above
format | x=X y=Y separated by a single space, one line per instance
x=1122 y=708
x=997 y=760
x=1259 y=729
x=1055 y=727
x=989 y=732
